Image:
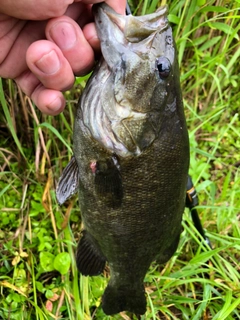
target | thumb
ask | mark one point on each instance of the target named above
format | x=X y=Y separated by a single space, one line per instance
x=34 y=9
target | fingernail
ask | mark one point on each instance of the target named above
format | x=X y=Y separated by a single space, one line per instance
x=56 y=105
x=49 y=63
x=63 y=34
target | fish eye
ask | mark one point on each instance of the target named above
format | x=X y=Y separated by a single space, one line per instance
x=163 y=66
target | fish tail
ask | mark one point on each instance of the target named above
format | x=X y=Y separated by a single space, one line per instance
x=124 y=298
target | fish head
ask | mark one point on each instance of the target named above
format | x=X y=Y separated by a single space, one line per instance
x=133 y=47
x=134 y=79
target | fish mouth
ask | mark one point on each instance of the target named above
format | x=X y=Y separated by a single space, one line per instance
x=104 y=14
x=119 y=28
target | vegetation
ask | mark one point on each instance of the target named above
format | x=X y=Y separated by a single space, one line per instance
x=38 y=276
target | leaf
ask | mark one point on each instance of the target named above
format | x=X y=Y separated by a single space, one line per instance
x=213 y=9
x=199 y=40
x=46 y=261
x=204 y=256
x=201 y=2
x=62 y=262
x=181 y=299
x=9 y=119
x=173 y=18
x=4 y=190
x=49 y=294
x=12 y=287
x=57 y=134
x=229 y=306
x=49 y=305
x=39 y=286
x=210 y=43
x=204 y=185
x=222 y=27
x=203 y=153
x=16 y=260
x=23 y=254
x=36 y=208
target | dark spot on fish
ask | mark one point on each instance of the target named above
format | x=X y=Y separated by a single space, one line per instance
x=169 y=40
x=108 y=181
x=163 y=65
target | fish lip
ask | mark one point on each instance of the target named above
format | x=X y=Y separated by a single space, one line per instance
x=131 y=29
x=104 y=14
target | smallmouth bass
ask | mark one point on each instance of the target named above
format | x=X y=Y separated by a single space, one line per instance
x=131 y=156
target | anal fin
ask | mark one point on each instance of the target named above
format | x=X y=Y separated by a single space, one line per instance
x=90 y=260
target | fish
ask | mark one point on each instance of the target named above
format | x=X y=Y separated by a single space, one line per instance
x=131 y=156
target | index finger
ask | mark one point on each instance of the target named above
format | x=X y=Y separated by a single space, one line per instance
x=35 y=9
x=118 y=5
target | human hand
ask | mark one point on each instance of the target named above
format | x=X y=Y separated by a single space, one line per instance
x=43 y=44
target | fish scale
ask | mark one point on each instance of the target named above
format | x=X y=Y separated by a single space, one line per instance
x=131 y=150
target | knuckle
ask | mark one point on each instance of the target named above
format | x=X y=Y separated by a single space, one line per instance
x=57 y=8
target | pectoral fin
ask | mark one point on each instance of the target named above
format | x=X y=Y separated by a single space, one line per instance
x=90 y=260
x=68 y=182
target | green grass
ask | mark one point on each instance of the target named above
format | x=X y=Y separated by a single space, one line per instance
x=38 y=275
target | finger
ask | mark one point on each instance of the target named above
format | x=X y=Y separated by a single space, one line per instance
x=49 y=65
x=49 y=101
x=67 y=35
x=119 y=6
x=35 y=9
x=89 y=29
x=90 y=34
x=14 y=44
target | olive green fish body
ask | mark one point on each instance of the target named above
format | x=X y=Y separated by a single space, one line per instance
x=131 y=154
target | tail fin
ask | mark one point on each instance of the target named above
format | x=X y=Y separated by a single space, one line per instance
x=124 y=298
